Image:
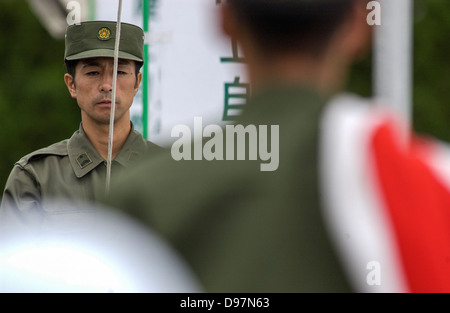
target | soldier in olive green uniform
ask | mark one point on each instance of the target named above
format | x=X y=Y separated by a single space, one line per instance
x=75 y=169
x=242 y=229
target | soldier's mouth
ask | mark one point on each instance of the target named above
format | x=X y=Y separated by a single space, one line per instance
x=104 y=102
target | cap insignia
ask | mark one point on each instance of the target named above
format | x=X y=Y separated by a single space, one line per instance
x=104 y=33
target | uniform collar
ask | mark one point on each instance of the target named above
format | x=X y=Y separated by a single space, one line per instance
x=84 y=158
x=270 y=104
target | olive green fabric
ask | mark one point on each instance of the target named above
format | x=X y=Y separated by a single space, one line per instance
x=70 y=170
x=97 y=39
x=239 y=228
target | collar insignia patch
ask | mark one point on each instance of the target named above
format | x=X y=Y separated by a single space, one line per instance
x=83 y=160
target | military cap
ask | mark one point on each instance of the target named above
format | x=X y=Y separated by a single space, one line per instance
x=97 y=39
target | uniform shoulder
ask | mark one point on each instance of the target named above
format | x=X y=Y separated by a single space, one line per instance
x=58 y=149
x=148 y=146
x=153 y=146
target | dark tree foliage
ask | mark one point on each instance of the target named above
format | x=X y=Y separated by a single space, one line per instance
x=36 y=109
x=431 y=70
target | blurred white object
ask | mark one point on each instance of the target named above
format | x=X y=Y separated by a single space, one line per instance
x=101 y=252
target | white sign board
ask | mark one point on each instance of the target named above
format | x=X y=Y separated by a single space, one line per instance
x=191 y=68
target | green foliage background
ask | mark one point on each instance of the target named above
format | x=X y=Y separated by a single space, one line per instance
x=36 y=109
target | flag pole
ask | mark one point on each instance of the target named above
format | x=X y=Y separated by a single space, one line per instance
x=113 y=99
x=393 y=56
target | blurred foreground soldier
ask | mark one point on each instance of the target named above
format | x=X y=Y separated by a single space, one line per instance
x=242 y=228
x=354 y=201
x=75 y=169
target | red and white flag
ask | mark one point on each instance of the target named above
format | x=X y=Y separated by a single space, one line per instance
x=387 y=198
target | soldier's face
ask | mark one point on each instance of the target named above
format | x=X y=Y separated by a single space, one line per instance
x=93 y=88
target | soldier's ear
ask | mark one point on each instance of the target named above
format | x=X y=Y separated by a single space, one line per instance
x=358 y=34
x=70 y=83
x=228 y=21
x=138 y=82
